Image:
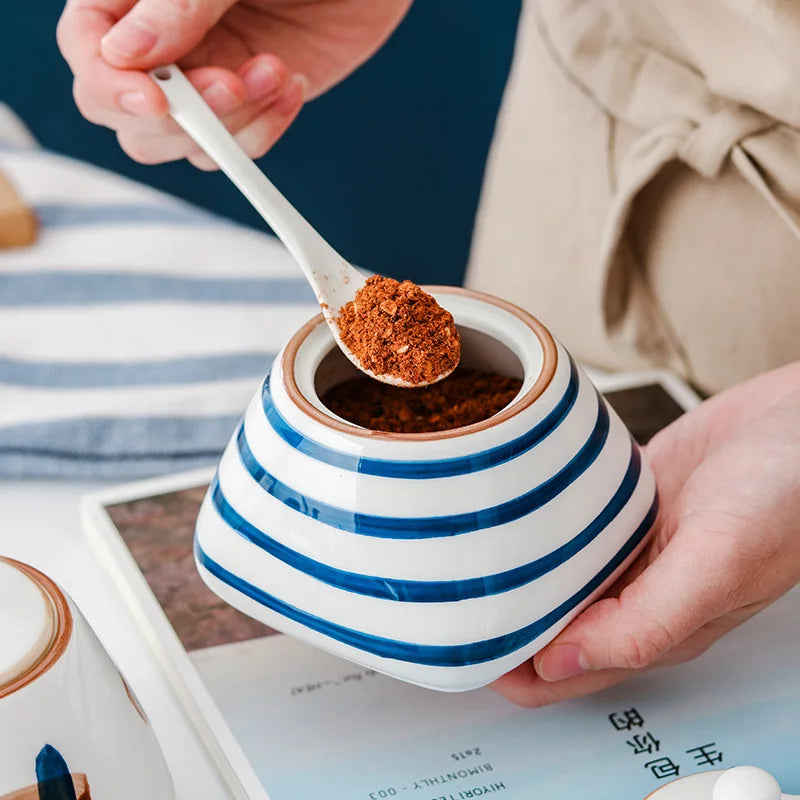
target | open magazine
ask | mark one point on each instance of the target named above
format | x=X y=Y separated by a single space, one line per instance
x=285 y=721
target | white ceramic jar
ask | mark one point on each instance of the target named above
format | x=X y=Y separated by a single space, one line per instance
x=443 y=559
x=69 y=725
x=738 y=783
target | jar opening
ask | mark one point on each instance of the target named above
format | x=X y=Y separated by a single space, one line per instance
x=497 y=337
x=488 y=379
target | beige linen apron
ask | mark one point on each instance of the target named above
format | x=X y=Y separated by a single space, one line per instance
x=642 y=195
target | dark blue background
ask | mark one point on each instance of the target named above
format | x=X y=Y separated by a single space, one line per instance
x=388 y=165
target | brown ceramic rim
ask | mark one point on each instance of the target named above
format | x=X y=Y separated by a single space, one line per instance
x=656 y=791
x=677 y=780
x=61 y=634
x=550 y=359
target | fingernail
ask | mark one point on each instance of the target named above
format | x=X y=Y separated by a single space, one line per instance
x=261 y=79
x=134 y=103
x=562 y=661
x=221 y=98
x=294 y=93
x=130 y=39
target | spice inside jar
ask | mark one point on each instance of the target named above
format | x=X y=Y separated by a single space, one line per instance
x=463 y=398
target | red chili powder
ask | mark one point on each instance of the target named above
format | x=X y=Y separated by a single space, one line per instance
x=463 y=398
x=396 y=329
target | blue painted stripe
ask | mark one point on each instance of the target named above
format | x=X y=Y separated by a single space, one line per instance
x=419 y=470
x=70 y=215
x=459 y=655
x=430 y=527
x=53 y=778
x=83 y=287
x=414 y=591
x=105 y=374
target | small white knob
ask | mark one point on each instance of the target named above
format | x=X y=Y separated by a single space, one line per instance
x=746 y=783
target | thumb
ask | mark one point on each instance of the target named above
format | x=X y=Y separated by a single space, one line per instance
x=679 y=593
x=158 y=32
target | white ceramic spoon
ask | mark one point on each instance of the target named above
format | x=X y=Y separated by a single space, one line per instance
x=334 y=281
x=738 y=783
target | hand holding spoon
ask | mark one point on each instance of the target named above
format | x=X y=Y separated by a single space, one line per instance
x=334 y=281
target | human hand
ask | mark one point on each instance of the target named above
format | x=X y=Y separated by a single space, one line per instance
x=254 y=62
x=727 y=544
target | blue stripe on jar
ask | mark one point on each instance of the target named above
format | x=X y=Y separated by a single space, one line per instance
x=422 y=470
x=416 y=591
x=460 y=655
x=430 y=527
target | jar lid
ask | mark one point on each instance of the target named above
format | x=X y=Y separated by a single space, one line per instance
x=28 y=623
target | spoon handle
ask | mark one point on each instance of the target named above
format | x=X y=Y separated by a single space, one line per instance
x=192 y=113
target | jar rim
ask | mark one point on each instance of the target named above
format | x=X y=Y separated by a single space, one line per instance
x=543 y=380
x=62 y=629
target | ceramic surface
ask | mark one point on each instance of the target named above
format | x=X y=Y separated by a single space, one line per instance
x=441 y=559
x=69 y=725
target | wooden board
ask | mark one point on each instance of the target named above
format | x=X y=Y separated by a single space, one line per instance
x=18 y=224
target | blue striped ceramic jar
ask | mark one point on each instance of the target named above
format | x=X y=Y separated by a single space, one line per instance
x=444 y=559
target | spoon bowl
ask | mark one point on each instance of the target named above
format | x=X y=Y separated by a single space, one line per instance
x=335 y=282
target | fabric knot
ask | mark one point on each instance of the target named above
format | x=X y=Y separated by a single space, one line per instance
x=709 y=144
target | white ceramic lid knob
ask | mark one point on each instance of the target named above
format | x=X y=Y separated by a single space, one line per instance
x=746 y=783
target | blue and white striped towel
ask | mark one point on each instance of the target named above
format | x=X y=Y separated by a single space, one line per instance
x=134 y=332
